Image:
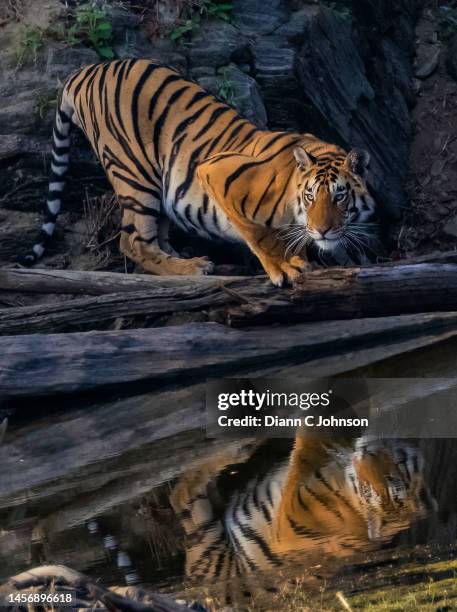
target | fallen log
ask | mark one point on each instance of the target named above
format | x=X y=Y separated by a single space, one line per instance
x=90 y=311
x=86 y=593
x=32 y=365
x=97 y=442
x=347 y=293
x=97 y=283
x=25 y=280
x=324 y=294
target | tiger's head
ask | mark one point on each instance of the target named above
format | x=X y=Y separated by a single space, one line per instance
x=334 y=205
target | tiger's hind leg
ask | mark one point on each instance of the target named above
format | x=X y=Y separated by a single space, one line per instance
x=163 y=229
x=140 y=239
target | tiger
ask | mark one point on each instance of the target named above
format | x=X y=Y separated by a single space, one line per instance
x=325 y=501
x=174 y=153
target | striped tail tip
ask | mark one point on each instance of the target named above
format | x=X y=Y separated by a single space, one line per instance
x=32 y=257
x=28 y=260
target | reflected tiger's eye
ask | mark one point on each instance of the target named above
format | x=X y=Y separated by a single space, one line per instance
x=309 y=197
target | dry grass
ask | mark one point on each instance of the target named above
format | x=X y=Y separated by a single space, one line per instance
x=101 y=221
x=12 y=10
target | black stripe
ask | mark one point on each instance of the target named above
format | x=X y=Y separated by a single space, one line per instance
x=135 y=184
x=278 y=201
x=158 y=124
x=244 y=167
x=57 y=178
x=85 y=76
x=243 y=205
x=131 y=64
x=116 y=65
x=135 y=105
x=269 y=144
x=250 y=534
x=129 y=153
x=64 y=118
x=259 y=203
x=186 y=122
x=117 y=97
x=143 y=210
x=101 y=82
x=171 y=78
x=247 y=138
x=54 y=195
x=58 y=134
x=59 y=164
x=196 y=98
x=205 y=203
x=145 y=240
x=185 y=185
x=60 y=150
x=211 y=119
x=234 y=133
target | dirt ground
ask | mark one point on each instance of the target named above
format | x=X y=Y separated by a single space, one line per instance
x=431 y=222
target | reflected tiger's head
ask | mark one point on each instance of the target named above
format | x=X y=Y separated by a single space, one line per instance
x=334 y=203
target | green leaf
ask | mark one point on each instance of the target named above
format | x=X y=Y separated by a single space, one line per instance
x=106 y=52
x=104 y=27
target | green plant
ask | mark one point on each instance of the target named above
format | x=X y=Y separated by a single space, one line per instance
x=341 y=11
x=189 y=25
x=30 y=41
x=193 y=13
x=43 y=103
x=92 y=26
x=447 y=23
x=226 y=91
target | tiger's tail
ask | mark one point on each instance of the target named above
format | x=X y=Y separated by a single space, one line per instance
x=59 y=166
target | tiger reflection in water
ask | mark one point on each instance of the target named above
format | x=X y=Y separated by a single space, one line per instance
x=326 y=500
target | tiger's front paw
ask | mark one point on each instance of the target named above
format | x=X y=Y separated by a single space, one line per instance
x=294 y=267
x=277 y=276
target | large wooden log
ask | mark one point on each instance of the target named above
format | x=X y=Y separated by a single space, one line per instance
x=108 y=446
x=87 y=593
x=100 y=283
x=64 y=363
x=97 y=283
x=96 y=310
x=325 y=294
x=346 y=293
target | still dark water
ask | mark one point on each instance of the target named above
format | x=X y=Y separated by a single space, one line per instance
x=258 y=525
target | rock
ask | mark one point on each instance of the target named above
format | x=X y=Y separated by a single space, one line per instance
x=214 y=43
x=450 y=228
x=63 y=60
x=238 y=89
x=427 y=65
x=122 y=20
x=354 y=84
x=211 y=84
x=201 y=72
x=246 y=95
x=250 y=20
x=451 y=57
x=275 y=71
x=14 y=145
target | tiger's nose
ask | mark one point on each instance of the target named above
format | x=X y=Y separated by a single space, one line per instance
x=322 y=232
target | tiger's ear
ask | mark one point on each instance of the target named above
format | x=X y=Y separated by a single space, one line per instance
x=357 y=161
x=304 y=160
